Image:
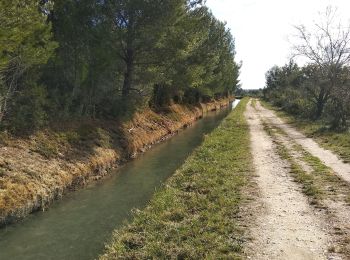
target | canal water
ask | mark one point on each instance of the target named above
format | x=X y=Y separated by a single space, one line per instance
x=77 y=226
x=235 y=103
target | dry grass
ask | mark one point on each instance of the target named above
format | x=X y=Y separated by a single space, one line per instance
x=38 y=169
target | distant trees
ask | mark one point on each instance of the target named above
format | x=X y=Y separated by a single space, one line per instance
x=67 y=59
x=323 y=84
x=284 y=88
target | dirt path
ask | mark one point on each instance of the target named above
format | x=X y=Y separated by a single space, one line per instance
x=326 y=156
x=334 y=198
x=287 y=227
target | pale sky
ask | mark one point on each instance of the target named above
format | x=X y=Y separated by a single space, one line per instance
x=263 y=28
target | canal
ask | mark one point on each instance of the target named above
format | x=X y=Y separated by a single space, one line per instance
x=77 y=226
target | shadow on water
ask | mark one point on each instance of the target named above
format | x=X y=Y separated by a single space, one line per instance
x=78 y=226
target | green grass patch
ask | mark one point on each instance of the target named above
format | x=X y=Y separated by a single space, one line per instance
x=307 y=180
x=331 y=184
x=194 y=216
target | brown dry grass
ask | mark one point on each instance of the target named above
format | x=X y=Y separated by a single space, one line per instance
x=36 y=170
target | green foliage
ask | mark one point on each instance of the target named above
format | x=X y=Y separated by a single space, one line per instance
x=162 y=96
x=28 y=109
x=24 y=34
x=110 y=58
x=45 y=145
x=25 y=43
x=300 y=91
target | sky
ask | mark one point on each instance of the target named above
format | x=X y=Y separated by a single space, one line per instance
x=263 y=30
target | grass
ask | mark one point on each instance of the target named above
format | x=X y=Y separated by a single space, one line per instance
x=51 y=144
x=194 y=216
x=307 y=181
x=338 y=142
x=331 y=184
x=309 y=184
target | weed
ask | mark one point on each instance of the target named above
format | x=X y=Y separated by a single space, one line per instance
x=45 y=146
x=4 y=138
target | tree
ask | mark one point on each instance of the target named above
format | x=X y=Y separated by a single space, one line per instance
x=200 y=62
x=25 y=42
x=340 y=101
x=327 y=46
x=112 y=58
x=85 y=69
x=284 y=88
x=138 y=26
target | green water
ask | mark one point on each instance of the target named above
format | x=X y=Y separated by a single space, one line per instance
x=78 y=226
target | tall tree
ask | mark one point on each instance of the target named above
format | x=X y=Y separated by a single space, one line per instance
x=25 y=42
x=327 y=45
x=138 y=26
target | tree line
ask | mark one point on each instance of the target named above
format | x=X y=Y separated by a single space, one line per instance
x=104 y=59
x=319 y=90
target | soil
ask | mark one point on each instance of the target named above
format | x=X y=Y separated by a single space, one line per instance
x=327 y=157
x=286 y=226
x=336 y=210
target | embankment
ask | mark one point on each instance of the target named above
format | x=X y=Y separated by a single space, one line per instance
x=36 y=170
x=195 y=215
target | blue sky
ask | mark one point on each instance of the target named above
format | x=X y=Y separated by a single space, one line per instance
x=263 y=30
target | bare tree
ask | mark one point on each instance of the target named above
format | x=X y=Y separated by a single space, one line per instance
x=326 y=45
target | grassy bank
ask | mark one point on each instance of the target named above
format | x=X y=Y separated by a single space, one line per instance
x=195 y=215
x=338 y=142
x=37 y=169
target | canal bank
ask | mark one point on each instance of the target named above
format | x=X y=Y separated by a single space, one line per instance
x=41 y=168
x=77 y=226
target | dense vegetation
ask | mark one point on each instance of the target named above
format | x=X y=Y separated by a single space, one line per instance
x=195 y=216
x=306 y=92
x=69 y=59
x=320 y=90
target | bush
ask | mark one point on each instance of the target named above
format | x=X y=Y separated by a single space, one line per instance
x=192 y=96
x=27 y=110
x=161 y=97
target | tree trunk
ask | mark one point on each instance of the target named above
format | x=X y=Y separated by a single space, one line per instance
x=319 y=109
x=129 y=73
x=320 y=104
